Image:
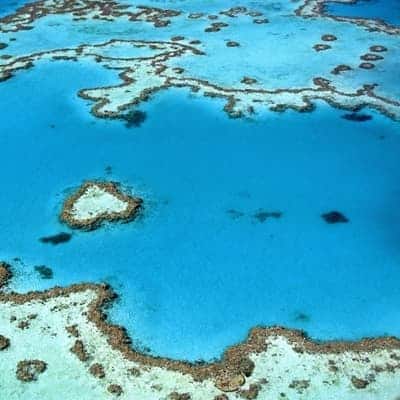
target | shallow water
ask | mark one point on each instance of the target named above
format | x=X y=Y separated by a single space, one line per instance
x=194 y=275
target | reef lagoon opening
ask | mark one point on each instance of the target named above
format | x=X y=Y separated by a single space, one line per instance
x=231 y=235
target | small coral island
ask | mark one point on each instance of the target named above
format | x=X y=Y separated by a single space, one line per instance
x=97 y=202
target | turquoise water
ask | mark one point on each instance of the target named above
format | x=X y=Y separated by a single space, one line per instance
x=203 y=264
x=194 y=275
x=387 y=10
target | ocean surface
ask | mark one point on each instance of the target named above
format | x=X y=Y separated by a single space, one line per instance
x=200 y=268
x=206 y=260
x=386 y=10
x=9 y=6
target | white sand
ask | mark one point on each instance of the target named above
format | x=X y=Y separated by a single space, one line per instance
x=66 y=377
x=97 y=201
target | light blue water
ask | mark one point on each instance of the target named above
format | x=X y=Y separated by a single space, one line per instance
x=387 y=10
x=127 y=50
x=193 y=279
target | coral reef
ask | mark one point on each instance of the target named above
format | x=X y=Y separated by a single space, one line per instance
x=334 y=217
x=4 y=342
x=29 y=370
x=112 y=102
x=96 y=202
x=253 y=369
x=44 y=271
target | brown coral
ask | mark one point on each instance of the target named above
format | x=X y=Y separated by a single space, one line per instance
x=5 y=273
x=97 y=370
x=115 y=389
x=4 y=342
x=328 y=37
x=179 y=396
x=79 y=350
x=359 y=383
x=29 y=370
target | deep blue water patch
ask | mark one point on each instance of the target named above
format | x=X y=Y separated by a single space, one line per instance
x=134 y=118
x=335 y=217
x=196 y=271
x=386 y=10
x=9 y=6
x=357 y=117
x=56 y=239
x=44 y=271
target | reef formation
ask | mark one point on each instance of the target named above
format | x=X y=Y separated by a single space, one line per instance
x=63 y=335
x=97 y=202
x=86 y=353
x=169 y=64
x=317 y=8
